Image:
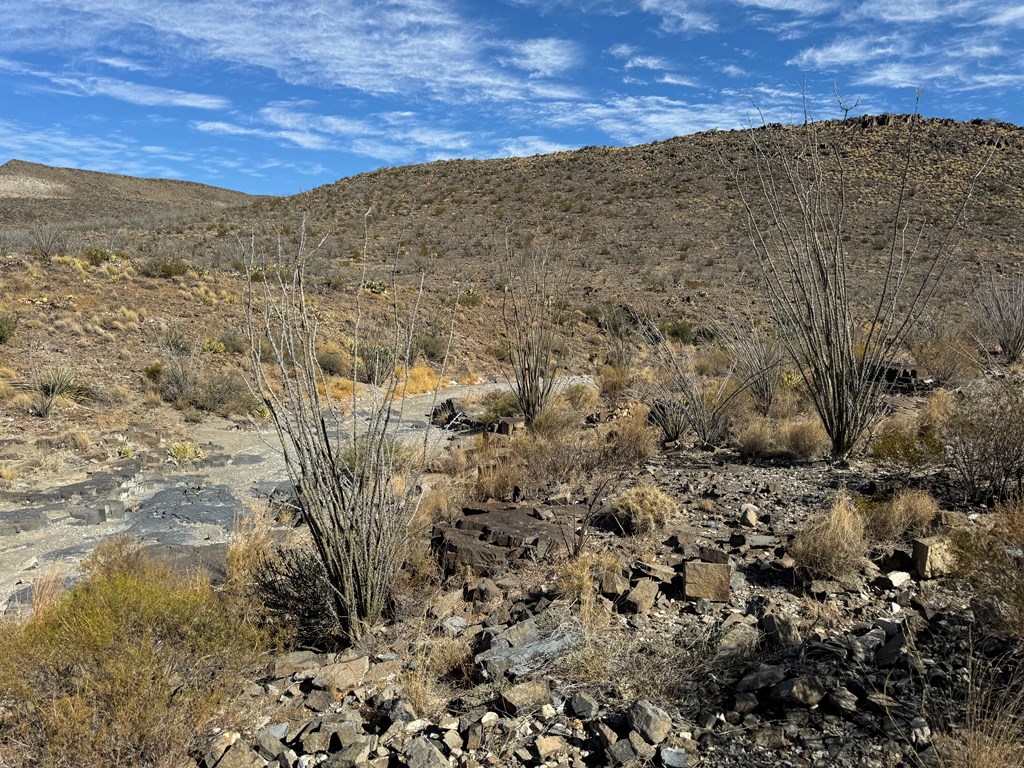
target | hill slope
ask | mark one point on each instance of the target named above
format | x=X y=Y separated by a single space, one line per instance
x=667 y=217
x=31 y=193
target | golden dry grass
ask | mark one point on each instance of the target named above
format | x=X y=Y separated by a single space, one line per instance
x=642 y=509
x=833 y=545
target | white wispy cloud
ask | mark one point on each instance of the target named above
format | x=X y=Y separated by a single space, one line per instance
x=844 y=52
x=670 y=79
x=915 y=11
x=804 y=7
x=647 y=62
x=120 y=62
x=138 y=93
x=545 y=57
x=680 y=15
x=525 y=146
x=408 y=47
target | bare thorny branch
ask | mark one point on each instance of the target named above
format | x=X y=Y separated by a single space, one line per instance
x=357 y=502
x=801 y=246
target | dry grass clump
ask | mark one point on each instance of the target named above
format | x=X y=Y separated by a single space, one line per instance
x=578 y=579
x=910 y=443
x=755 y=439
x=626 y=666
x=442 y=664
x=614 y=382
x=131 y=667
x=8 y=473
x=833 y=545
x=642 y=509
x=804 y=438
x=417 y=380
x=909 y=512
x=992 y=732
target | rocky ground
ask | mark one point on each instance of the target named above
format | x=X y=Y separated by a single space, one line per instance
x=702 y=645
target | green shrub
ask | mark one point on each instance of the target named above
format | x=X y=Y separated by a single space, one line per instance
x=164 y=267
x=8 y=325
x=498 y=404
x=131 y=667
x=471 y=297
x=679 y=330
x=334 y=362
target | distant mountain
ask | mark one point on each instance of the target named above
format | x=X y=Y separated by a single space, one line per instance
x=31 y=193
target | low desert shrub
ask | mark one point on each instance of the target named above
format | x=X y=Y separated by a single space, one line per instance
x=833 y=545
x=642 y=509
x=985 y=441
x=8 y=325
x=298 y=598
x=334 y=362
x=186 y=452
x=56 y=385
x=905 y=445
x=992 y=559
x=909 y=512
x=498 y=404
x=804 y=438
x=132 y=666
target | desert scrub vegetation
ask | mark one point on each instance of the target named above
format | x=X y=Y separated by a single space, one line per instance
x=357 y=514
x=999 y=314
x=530 y=316
x=833 y=545
x=56 y=386
x=908 y=443
x=990 y=557
x=796 y=212
x=984 y=439
x=130 y=667
x=642 y=509
x=8 y=326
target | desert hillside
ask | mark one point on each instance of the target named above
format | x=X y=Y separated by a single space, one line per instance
x=597 y=506
x=31 y=193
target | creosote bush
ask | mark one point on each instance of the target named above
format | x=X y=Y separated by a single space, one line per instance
x=8 y=325
x=132 y=666
x=985 y=441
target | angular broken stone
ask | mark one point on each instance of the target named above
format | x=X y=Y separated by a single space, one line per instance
x=761 y=677
x=421 y=753
x=550 y=746
x=651 y=722
x=584 y=706
x=525 y=697
x=342 y=677
x=933 y=556
x=641 y=598
x=708 y=581
x=807 y=690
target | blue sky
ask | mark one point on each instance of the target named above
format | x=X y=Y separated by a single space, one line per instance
x=276 y=97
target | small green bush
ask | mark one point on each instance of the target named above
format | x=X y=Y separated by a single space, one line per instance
x=133 y=666
x=164 y=267
x=333 y=362
x=8 y=325
x=680 y=330
x=498 y=404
